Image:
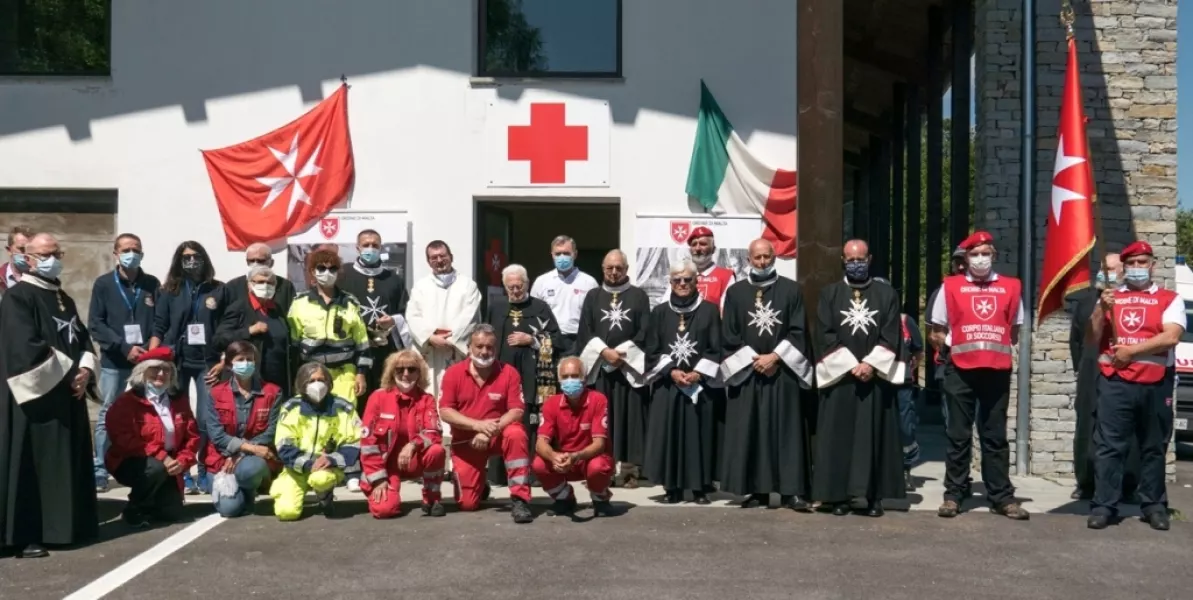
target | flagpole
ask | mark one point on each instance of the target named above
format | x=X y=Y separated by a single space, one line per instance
x=1026 y=237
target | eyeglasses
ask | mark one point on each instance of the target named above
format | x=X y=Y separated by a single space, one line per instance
x=682 y=279
x=406 y=369
x=257 y=263
x=327 y=269
x=56 y=254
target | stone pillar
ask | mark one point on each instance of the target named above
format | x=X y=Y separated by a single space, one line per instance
x=1127 y=53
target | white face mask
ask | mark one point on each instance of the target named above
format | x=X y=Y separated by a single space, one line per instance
x=482 y=363
x=980 y=265
x=405 y=386
x=326 y=279
x=446 y=278
x=264 y=291
x=316 y=390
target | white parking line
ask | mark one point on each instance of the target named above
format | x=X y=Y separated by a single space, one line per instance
x=143 y=561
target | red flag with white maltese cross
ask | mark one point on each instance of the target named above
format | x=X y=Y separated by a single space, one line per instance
x=1070 y=236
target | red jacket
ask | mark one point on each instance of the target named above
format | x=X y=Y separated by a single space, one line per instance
x=135 y=430
x=223 y=401
x=392 y=420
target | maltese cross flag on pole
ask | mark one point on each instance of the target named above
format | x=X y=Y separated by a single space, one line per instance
x=281 y=183
x=1070 y=235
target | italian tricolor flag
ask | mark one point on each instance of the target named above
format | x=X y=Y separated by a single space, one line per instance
x=729 y=180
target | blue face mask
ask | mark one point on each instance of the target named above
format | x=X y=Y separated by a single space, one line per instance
x=571 y=387
x=154 y=390
x=762 y=273
x=857 y=271
x=18 y=261
x=1104 y=281
x=564 y=262
x=1138 y=275
x=130 y=260
x=370 y=256
x=244 y=369
x=49 y=267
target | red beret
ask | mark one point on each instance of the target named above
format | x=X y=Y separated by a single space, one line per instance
x=977 y=239
x=161 y=353
x=1136 y=249
x=699 y=232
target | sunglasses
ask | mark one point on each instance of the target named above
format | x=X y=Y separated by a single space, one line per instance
x=257 y=263
x=407 y=369
x=682 y=279
x=327 y=269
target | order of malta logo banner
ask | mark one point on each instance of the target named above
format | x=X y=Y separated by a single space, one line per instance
x=680 y=231
x=1131 y=319
x=329 y=228
x=984 y=306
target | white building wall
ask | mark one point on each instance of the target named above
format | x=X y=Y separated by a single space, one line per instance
x=191 y=75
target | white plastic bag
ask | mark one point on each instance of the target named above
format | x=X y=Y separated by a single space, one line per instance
x=223 y=485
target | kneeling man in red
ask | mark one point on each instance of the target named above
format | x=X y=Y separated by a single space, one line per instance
x=402 y=438
x=571 y=443
x=482 y=401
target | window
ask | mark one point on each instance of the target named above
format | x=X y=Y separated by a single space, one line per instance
x=1187 y=335
x=549 y=38
x=55 y=37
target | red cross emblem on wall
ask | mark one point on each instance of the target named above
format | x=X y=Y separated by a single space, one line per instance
x=548 y=143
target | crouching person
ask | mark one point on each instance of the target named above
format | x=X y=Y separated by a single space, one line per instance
x=318 y=436
x=402 y=438
x=153 y=440
x=571 y=443
x=241 y=422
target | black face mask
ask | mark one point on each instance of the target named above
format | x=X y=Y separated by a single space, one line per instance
x=192 y=267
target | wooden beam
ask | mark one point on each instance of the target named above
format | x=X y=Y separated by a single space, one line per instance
x=870 y=123
x=820 y=102
x=908 y=70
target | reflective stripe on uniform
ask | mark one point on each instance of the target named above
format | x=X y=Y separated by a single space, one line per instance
x=370 y=450
x=517 y=463
x=517 y=480
x=1155 y=360
x=376 y=476
x=979 y=346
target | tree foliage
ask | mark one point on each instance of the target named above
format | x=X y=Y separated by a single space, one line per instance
x=1184 y=233
x=511 y=44
x=55 y=36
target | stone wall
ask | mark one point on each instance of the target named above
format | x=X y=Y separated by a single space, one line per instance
x=1127 y=53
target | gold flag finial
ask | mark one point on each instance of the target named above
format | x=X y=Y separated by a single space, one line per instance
x=1067 y=17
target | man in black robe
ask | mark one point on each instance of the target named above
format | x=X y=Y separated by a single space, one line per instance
x=858 y=450
x=47 y=493
x=1085 y=363
x=382 y=297
x=527 y=334
x=767 y=371
x=683 y=354
x=611 y=339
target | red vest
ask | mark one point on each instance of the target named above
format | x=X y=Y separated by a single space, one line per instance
x=1138 y=316
x=713 y=285
x=224 y=400
x=981 y=315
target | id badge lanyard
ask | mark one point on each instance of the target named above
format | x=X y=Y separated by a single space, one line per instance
x=130 y=304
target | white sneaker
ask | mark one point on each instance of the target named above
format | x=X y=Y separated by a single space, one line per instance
x=354 y=485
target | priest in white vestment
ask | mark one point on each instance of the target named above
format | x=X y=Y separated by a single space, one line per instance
x=442 y=310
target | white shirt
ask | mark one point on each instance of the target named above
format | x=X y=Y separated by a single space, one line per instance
x=565 y=296
x=940 y=310
x=162 y=405
x=11 y=277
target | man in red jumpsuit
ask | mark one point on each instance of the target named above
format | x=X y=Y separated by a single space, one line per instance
x=402 y=438
x=1136 y=327
x=980 y=314
x=482 y=401
x=571 y=443
x=711 y=280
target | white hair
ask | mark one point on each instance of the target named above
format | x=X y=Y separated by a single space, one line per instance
x=259 y=246
x=567 y=359
x=683 y=265
x=136 y=378
x=515 y=269
x=262 y=270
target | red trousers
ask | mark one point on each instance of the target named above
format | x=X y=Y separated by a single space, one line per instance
x=426 y=463
x=470 y=466
x=597 y=472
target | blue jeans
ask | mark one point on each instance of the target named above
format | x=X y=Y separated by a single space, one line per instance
x=909 y=420
x=111 y=385
x=201 y=398
x=250 y=472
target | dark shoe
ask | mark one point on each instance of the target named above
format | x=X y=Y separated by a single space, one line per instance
x=1097 y=521
x=627 y=478
x=948 y=509
x=710 y=489
x=701 y=498
x=1081 y=494
x=672 y=497
x=171 y=514
x=563 y=507
x=135 y=519
x=1158 y=520
x=434 y=510
x=327 y=503
x=602 y=509
x=485 y=493
x=841 y=509
x=874 y=509
x=101 y=484
x=33 y=551
x=756 y=501
x=908 y=480
x=521 y=512
x=1011 y=510
x=203 y=482
x=794 y=503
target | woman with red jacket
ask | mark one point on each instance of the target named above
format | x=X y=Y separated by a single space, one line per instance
x=240 y=421
x=153 y=440
x=401 y=438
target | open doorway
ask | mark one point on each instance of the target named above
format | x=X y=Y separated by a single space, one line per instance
x=520 y=231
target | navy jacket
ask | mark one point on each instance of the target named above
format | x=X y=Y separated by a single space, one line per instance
x=111 y=299
x=192 y=304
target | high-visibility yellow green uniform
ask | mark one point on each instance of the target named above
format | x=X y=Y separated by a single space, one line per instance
x=333 y=334
x=304 y=433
